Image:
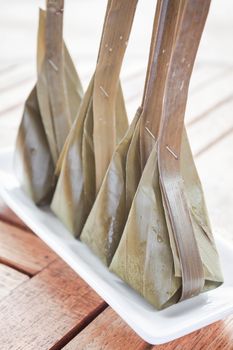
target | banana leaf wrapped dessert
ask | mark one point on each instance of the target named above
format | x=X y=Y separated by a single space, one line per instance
x=49 y=110
x=130 y=226
x=104 y=226
x=100 y=125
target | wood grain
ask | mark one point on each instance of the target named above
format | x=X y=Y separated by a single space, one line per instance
x=7 y=215
x=48 y=310
x=107 y=332
x=218 y=186
x=23 y=251
x=218 y=336
x=9 y=280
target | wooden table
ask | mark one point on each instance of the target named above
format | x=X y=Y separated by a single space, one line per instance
x=45 y=305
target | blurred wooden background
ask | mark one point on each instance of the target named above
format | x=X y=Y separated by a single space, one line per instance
x=209 y=116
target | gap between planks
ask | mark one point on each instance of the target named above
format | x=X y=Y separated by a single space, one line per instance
x=48 y=310
x=10 y=279
x=9 y=217
x=23 y=250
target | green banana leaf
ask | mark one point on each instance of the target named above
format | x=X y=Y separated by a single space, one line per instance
x=105 y=223
x=146 y=257
x=37 y=150
x=100 y=125
x=33 y=161
x=127 y=227
x=76 y=191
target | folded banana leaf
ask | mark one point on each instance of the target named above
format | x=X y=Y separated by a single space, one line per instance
x=128 y=226
x=146 y=257
x=76 y=187
x=104 y=226
x=48 y=115
x=80 y=172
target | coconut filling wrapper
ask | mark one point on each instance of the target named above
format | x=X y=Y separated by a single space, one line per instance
x=99 y=127
x=129 y=226
x=49 y=110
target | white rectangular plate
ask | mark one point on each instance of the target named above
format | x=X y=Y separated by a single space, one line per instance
x=155 y=327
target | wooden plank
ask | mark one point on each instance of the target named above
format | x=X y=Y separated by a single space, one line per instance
x=205 y=74
x=48 y=310
x=107 y=332
x=207 y=96
x=210 y=127
x=23 y=251
x=15 y=96
x=5 y=69
x=9 y=280
x=7 y=215
x=216 y=173
x=17 y=75
x=219 y=335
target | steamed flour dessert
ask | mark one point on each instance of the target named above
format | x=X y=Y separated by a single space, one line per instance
x=49 y=110
x=99 y=127
x=129 y=226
